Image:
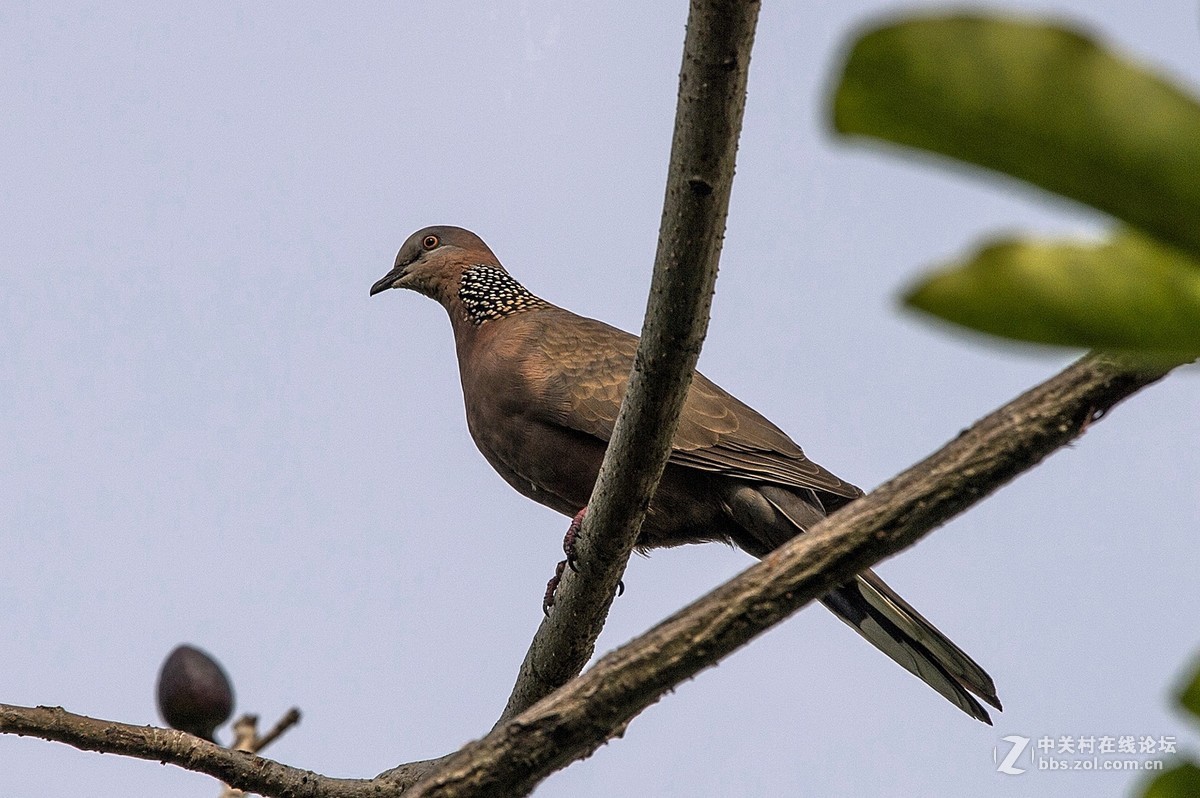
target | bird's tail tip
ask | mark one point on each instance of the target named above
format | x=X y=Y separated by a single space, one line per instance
x=890 y=624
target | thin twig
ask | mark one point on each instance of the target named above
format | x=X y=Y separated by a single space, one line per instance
x=246 y=738
x=289 y=719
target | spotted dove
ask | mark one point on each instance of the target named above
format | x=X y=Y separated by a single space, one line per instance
x=542 y=388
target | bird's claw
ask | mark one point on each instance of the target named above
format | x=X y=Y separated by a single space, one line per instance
x=552 y=587
x=569 y=549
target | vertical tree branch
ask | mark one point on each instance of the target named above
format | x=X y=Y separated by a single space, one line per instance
x=708 y=120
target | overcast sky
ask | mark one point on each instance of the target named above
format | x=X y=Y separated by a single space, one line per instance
x=212 y=435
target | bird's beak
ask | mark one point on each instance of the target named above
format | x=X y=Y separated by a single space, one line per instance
x=389 y=279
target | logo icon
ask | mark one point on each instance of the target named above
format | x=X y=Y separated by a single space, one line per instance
x=1007 y=765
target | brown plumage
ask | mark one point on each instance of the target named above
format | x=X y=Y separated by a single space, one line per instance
x=542 y=388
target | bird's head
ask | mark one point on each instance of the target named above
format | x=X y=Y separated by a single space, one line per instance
x=433 y=259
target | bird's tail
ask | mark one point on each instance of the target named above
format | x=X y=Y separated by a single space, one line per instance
x=890 y=624
x=877 y=613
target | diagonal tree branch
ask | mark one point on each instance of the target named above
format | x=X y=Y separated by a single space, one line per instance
x=708 y=120
x=574 y=721
x=593 y=708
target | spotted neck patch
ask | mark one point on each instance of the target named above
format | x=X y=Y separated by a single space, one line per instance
x=488 y=292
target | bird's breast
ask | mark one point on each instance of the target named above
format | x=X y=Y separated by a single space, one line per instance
x=511 y=401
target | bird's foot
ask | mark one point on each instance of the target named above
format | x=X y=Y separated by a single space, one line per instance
x=569 y=549
x=569 y=541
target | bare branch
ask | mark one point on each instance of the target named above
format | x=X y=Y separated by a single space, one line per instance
x=574 y=721
x=708 y=119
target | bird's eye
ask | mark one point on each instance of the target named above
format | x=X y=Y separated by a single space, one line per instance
x=430 y=242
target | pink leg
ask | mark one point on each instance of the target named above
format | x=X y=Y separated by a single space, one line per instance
x=572 y=536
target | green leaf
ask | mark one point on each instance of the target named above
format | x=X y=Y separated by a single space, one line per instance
x=1182 y=781
x=1040 y=102
x=1129 y=294
x=1190 y=698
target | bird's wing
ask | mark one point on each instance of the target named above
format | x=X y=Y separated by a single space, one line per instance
x=746 y=444
x=588 y=364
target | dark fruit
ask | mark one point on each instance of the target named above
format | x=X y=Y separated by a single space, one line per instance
x=194 y=694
